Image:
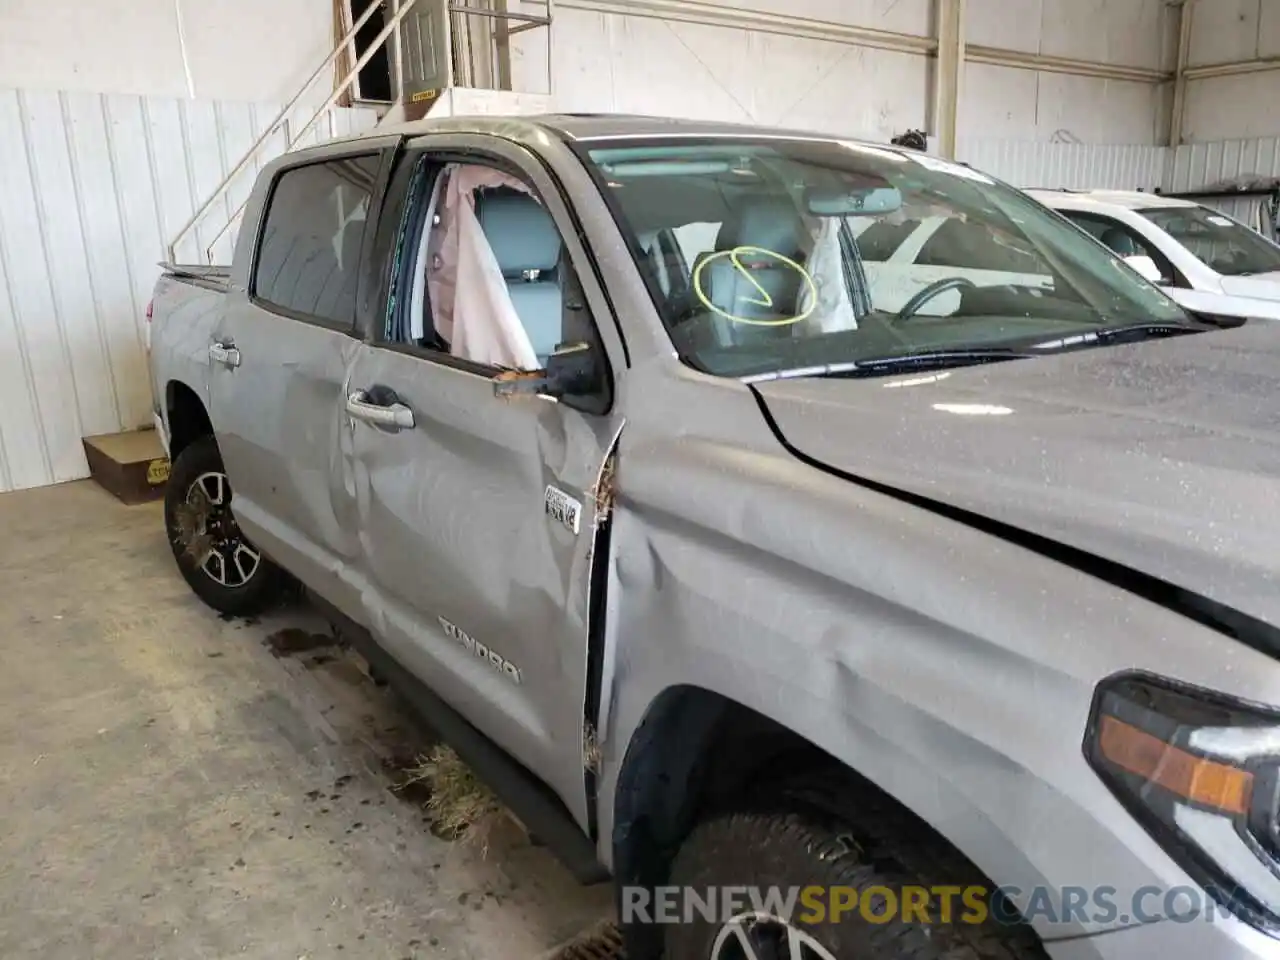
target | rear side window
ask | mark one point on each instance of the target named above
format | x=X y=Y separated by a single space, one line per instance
x=309 y=255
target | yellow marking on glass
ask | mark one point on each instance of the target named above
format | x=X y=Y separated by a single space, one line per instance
x=735 y=257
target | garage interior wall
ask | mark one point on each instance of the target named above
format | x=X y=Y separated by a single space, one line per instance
x=232 y=50
x=1241 y=101
x=92 y=189
x=827 y=64
x=118 y=118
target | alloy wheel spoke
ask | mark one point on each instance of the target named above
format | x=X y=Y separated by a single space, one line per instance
x=762 y=936
x=246 y=561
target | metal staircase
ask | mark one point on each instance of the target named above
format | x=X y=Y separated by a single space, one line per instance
x=445 y=58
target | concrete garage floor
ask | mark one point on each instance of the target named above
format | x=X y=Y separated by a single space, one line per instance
x=171 y=786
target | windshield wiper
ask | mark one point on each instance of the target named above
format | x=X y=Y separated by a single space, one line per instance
x=950 y=358
x=1127 y=333
x=910 y=362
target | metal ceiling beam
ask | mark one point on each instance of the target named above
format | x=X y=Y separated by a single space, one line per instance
x=1235 y=68
x=1044 y=63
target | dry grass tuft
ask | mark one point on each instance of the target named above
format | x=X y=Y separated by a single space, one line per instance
x=461 y=807
x=592 y=755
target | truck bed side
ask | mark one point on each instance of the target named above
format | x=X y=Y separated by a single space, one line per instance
x=186 y=305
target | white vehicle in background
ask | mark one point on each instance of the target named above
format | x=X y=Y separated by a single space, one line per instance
x=1203 y=259
x=903 y=257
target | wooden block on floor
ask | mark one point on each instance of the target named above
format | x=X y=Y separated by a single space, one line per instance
x=132 y=466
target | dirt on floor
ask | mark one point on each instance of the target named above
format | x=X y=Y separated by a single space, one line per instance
x=176 y=785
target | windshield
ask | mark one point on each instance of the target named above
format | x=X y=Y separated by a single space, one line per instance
x=771 y=254
x=1217 y=241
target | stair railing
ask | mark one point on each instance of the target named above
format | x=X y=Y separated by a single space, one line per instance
x=392 y=26
x=499 y=49
x=399 y=9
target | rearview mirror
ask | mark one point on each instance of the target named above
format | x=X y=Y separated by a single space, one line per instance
x=858 y=202
x=1146 y=267
x=572 y=370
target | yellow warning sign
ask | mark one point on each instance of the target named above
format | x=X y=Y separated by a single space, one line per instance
x=422 y=95
x=157 y=472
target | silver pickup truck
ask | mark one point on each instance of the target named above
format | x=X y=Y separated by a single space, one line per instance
x=831 y=602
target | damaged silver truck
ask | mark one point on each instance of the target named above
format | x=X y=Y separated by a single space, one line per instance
x=836 y=549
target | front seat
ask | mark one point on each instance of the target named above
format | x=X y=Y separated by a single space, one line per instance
x=752 y=285
x=526 y=244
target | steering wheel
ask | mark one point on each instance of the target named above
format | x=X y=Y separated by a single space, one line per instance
x=923 y=296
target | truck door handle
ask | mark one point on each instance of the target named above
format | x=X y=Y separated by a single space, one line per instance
x=224 y=354
x=392 y=416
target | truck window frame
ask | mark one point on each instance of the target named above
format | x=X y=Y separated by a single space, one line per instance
x=435 y=149
x=376 y=196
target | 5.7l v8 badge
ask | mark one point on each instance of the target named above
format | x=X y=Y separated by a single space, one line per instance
x=562 y=507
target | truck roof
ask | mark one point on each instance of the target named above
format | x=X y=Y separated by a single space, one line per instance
x=597 y=126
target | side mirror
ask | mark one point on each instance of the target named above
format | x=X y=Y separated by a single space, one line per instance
x=1146 y=267
x=572 y=371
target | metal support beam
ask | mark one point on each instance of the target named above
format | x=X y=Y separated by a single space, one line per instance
x=502 y=45
x=1046 y=63
x=948 y=72
x=397 y=58
x=1234 y=69
x=1178 y=108
x=498 y=15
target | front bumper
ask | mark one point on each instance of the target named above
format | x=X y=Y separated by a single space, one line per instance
x=1223 y=939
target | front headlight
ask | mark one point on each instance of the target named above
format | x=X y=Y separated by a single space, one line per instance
x=1201 y=772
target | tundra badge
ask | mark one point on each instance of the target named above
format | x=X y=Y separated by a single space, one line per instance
x=560 y=506
x=480 y=651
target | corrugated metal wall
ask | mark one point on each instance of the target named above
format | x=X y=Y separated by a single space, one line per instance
x=1198 y=165
x=1072 y=165
x=92 y=188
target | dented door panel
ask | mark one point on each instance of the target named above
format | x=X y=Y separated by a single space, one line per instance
x=472 y=576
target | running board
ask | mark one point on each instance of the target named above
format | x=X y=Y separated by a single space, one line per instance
x=531 y=800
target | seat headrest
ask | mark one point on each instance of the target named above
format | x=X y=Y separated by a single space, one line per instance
x=768 y=222
x=520 y=231
x=1120 y=242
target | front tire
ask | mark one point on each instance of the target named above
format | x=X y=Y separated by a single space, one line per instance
x=220 y=565
x=794 y=845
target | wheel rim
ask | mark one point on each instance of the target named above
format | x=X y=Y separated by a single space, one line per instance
x=763 y=936
x=209 y=535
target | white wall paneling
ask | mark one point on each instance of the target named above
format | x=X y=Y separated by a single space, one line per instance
x=1196 y=165
x=638 y=63
x=246 y=50
x=999 y=102
x=1070 y=165
x=92 y=188
x=1225 y=36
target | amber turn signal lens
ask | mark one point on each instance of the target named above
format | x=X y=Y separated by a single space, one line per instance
x=1200 y=780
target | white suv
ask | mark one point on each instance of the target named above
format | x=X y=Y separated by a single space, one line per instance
x=1202 y=258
